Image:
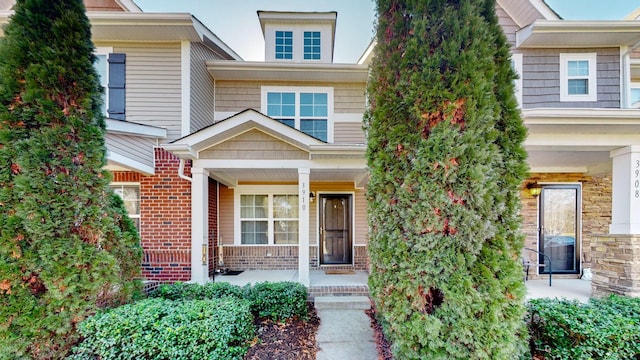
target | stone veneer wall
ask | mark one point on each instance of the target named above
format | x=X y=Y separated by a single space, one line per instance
x=616 y=265
x=596 y=211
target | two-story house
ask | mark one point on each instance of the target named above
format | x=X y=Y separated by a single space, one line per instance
x=260 y=165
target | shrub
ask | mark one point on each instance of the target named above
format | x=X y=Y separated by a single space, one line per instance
x=184 y=291
x=166 y=329
x=279 y=300
x=67 y=245
x=446 y=161
x=607 y=328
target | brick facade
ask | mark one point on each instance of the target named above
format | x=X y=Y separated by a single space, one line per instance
x=165 y=221
x=596 y=211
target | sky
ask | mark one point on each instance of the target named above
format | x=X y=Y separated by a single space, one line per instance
x=236 y=21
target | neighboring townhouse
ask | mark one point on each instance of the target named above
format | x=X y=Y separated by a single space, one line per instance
x=261 y=165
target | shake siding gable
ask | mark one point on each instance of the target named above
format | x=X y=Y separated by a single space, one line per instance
x=133 y=147
x=154 y=85
x=202 y=87
x=254 y=145
x=541 y=79
x=508 y=25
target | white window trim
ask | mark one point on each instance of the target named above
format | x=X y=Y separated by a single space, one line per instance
x=105 y=50
x=302 y=89
x=592 y=78
x=269 y=190
x=298 y=42
x=516 y=62
x=633 y=85
x=125 y=183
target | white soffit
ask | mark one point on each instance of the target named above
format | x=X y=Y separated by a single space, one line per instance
x=578 y=34
x=253 y=70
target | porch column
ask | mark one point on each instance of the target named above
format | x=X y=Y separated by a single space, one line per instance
x=199 y=225
x=625 y=214
x=303 y=226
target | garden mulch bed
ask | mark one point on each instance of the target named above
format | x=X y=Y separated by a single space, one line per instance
x=294 y=339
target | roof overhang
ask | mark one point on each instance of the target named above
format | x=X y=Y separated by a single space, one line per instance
x=579 y=34
x=129 y=128
x=578 y=140
x=110 y=26
x=327 y=162
x=250 y=70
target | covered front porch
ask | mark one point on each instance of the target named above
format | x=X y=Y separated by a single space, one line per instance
x=356 y=283
x=266 y=196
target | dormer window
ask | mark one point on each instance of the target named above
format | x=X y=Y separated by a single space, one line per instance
x=284 y=45
x=312 y=45
x=298 y=37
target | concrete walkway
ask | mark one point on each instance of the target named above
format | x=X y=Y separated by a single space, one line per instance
x=345 y=329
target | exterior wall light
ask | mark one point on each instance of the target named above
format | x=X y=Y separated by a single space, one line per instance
x=534 y=189
x=312 y=196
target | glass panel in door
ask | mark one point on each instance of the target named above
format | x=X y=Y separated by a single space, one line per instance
x=335 y=229
x=559 y=228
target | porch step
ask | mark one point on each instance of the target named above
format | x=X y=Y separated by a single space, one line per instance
x=342 y=302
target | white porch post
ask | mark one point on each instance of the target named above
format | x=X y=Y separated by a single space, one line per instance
x=625 y=216
x=303 y=223
x=199 y=225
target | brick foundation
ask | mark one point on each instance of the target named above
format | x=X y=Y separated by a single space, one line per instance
x=616 y=265
x=282 y=258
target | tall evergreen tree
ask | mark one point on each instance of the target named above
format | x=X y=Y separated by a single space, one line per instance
x=66 y=243
x=446 y=157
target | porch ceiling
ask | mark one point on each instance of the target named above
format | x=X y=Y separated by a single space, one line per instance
x=578 y=140
x=232 y=177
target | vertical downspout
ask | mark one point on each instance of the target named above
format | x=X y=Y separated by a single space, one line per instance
x=181 y=171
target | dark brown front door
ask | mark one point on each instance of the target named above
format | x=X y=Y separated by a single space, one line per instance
x=335 y=229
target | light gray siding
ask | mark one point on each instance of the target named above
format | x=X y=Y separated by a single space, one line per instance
x=349 y=98
x=508 y=25
x=541 y=78
x=202 y=87
x=521 y=11
x=349 y=133
x=139 y=149
x=235 y=96
x=153 y=85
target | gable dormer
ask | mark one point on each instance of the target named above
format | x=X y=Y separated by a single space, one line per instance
x=298 y=36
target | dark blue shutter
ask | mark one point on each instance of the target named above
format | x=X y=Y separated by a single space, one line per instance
x=116 y=107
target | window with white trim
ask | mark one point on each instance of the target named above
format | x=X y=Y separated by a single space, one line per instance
x=306 y=109
x=516 y=64
x=267 y=218
x=102 y=68
x=578 y=79
x=311 y=45
x=635 y=95
x=284 y=45
x=130 y=195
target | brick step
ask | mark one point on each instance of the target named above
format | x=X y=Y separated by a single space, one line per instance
x=342 y=302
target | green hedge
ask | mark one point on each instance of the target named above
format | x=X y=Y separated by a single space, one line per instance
x=278 y=300
x=184 y=291
x=607 y=328
x=167 y=329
